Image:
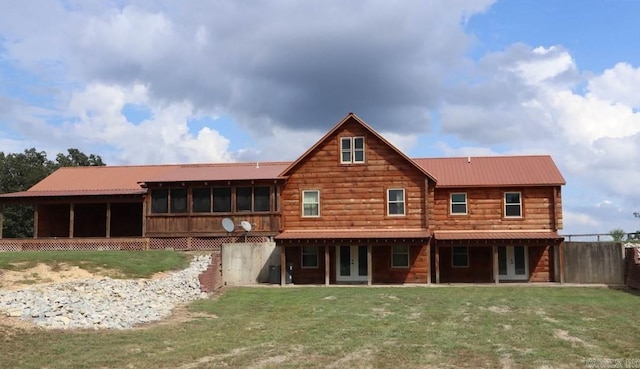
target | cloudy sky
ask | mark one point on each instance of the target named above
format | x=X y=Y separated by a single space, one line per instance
x=163 y=81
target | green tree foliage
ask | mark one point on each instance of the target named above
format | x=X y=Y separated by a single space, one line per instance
x=20 y=171
x=617 y=234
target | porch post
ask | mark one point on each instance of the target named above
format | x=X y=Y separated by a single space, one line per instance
x=108 y=230
x=561 y=254
x=437 y=264
x=494 y=250
x=72 y=215
x=429 y=262
x=144 y=217
x=283 y=266
x=327 y=265
x=35 y=220
x=1 y=218
x=369 y=266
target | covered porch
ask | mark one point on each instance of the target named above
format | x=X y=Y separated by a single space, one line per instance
x=355 y=256
x=497 y=257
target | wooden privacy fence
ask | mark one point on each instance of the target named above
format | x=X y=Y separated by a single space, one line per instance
x=594 y=262
x=114 y=244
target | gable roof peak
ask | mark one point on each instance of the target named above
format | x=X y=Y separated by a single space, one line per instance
x=368 y=128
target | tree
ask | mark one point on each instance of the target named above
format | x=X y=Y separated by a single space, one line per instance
x=617 y=234
x=75 y=158
x=19 y=172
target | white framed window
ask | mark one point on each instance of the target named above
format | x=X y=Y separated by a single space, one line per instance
x=395 y=201
x=460 y=257
x=512 y=204
x=458 y=203
x=400 y=256
x=352 y=150
x=309 y=257
x=311 y=203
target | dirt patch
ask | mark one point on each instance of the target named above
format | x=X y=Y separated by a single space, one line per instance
x=565 y=336
x=45 y=274
x=499 y=309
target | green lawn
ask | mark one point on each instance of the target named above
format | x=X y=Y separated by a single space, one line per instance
x=125 y=264
x=358 y=327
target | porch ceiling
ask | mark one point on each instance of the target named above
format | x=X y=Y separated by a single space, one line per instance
x=496 y=235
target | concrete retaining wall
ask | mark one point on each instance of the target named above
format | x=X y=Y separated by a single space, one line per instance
x=593 y=262
x=248 y=263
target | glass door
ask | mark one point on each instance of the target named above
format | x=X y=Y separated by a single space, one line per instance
x=351 y=264
x=513 y=263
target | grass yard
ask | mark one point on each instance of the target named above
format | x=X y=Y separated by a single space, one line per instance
x=346 y=327
x=126 y=264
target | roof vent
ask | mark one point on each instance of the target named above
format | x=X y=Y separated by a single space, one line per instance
x=257 y=165
x=469 y=159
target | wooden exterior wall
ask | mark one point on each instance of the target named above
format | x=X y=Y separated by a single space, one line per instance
x=382 y=272
x=53 y=220
x=541 y=209
x=480 y=269
x=354 y=196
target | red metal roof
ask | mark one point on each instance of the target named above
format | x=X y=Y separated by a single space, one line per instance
x=218 y=172
x=493 y=171
x=353 y=233
x=496 y=235
x=87 y=181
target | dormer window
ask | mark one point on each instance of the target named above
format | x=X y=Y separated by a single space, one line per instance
x=352 y=150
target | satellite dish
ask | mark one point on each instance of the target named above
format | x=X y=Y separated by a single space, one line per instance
x=228 y=225
x=246 y=225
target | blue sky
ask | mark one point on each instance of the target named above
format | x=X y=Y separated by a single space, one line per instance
x=141 y=81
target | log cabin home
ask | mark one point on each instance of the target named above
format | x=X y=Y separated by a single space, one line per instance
x=352 y=209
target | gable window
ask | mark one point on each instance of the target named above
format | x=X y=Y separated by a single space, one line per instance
x=201 y=202
x=352 y=150
x=460 y=257
x=309 y=257
x=512 y=204
x=222 y=200
x=395 y=201
x=311 y=203
x=399 y=256
x=458 y=203
x=159 y=201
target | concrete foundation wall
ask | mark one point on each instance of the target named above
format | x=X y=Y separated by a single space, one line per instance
x=248 y=263
x=593 y=262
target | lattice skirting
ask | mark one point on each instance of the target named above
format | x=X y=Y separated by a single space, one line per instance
x=103 y=244
x=200 y=243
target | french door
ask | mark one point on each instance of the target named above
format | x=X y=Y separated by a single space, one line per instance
x=513 y=263
x=351 y=264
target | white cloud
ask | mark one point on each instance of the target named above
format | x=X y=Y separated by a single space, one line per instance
x=163 y=138
x=618 y=85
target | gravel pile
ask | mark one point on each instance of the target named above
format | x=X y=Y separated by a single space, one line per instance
x=105 y=303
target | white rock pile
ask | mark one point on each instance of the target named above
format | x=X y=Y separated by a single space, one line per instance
x=105 y=303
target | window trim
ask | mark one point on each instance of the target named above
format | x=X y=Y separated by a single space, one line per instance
x=466 y=248
x=451 y=203
x=352 y=150
x=302 y=202
x=408 y=253
x=519 y=204
x=315 y=254
x=404 y=202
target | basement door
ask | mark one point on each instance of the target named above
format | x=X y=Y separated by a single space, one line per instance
x=513 y=263
x=351 y=263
